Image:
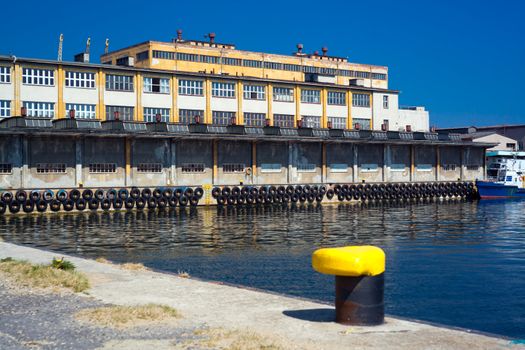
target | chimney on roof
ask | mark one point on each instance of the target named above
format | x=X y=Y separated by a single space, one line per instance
x=179 y=34
x=325 y=50
x=316 y=53
x=212 y=38
x=299 y=48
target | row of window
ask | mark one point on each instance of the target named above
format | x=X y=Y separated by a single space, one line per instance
x=186 y=87
x=186 y=116
x=98 y=168
x=262 y=64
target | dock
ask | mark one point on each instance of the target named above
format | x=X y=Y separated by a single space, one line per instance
x=305 y=324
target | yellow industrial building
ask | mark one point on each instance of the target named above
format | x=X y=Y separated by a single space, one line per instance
x=184 y=79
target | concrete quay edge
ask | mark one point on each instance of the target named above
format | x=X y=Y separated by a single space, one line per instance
x=302 y=322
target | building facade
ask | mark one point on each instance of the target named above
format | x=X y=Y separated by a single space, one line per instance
x=181 y=80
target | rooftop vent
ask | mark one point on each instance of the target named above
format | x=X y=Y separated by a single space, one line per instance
x=126 y=61
x=299 y=50
x=179 y=35
x=82 y=57
x=324 y=50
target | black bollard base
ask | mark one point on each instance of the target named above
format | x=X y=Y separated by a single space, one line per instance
x=359 y=300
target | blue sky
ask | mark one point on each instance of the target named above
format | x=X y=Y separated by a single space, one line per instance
x=463 y=60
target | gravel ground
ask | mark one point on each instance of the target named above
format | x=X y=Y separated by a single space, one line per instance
x=38 y=320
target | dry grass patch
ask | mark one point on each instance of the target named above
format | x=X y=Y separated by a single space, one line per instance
x=133 y=267
x=41 y=276
x=125 y=266
x=218 y=338
x=183 y=274
x=128 y=316
x=103 y=260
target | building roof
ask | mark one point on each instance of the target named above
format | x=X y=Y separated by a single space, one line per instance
x=12 y=58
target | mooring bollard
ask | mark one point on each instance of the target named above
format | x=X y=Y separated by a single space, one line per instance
x=359 y=282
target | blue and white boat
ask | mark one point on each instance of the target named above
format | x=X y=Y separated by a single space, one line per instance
x=505 y=176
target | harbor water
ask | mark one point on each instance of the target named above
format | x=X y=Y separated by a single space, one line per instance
x=452 y=262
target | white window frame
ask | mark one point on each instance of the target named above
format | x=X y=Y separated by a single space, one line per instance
x=82 y=111
x=338 y=122
x=117 y=82
x=125 y=112
x=254 y=92
x=150 y=114
x=153 y=87
x=287 y=119
x=254 y=119
x=222 y=89
x=283 y=94
x=311 y=121
x=360 y=100
x=40 y=109
x=222 y=117
x=191 y=87
x=311 y=96
x=337 y=98
x=5 y=74
x=38 y=76
x=187 y=116
x=85 y=80
x=5 y=108
x=362 y=122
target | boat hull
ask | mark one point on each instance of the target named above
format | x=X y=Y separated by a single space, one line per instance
x=493 y=190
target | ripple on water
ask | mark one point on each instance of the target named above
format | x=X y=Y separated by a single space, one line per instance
x=458 y=263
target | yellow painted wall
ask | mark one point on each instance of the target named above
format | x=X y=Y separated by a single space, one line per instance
x=234 y=70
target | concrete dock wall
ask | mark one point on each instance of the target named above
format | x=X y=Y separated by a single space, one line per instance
x=31 y=161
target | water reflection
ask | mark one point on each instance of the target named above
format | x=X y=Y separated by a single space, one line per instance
x=454 y=262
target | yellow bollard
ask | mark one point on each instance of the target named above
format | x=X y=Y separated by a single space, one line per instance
x=359 y=282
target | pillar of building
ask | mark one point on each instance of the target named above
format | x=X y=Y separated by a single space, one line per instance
x=139 y=113
x=324 y=102
x=254 y=162
x=61 y=106
x=269 y=100
x=17 y=80
x=438 y=164
x=128 y=145
x=462 y=164
x=240 y=115
x=290 y=178
x=349 y=121
x=79 y=160
x=412 y=162
x=174 y=96
x=101 y=83
x=215 y=172
x=173 y=163
x=323 y=159
x=24 y=173
x=297 y=98
x=207 y=112
x=386 y=162
x=372 y=111
x=355 y=164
